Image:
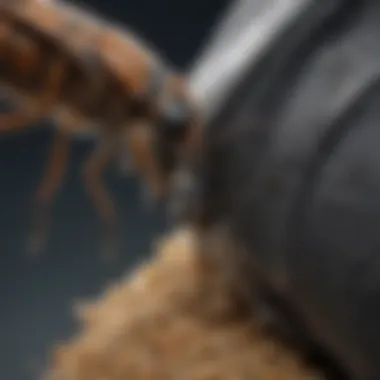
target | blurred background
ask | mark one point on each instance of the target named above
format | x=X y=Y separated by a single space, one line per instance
x=36 y=294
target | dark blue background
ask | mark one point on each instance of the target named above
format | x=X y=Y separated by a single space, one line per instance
x=36 y=294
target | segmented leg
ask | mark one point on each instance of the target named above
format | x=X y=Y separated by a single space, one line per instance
x=58 y=160
x=140 y=146
x=94 y=168
x=50 y=185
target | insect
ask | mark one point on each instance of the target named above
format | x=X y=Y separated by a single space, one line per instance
x=93 y=80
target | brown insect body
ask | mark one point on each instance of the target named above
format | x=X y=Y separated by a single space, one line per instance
x=103 y=68
x=60 y=62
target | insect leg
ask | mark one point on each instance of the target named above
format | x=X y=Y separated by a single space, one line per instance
x=51 y=183
x=140 y=143
x=94 y=168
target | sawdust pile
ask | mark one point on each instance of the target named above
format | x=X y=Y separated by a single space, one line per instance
x=151 y=325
